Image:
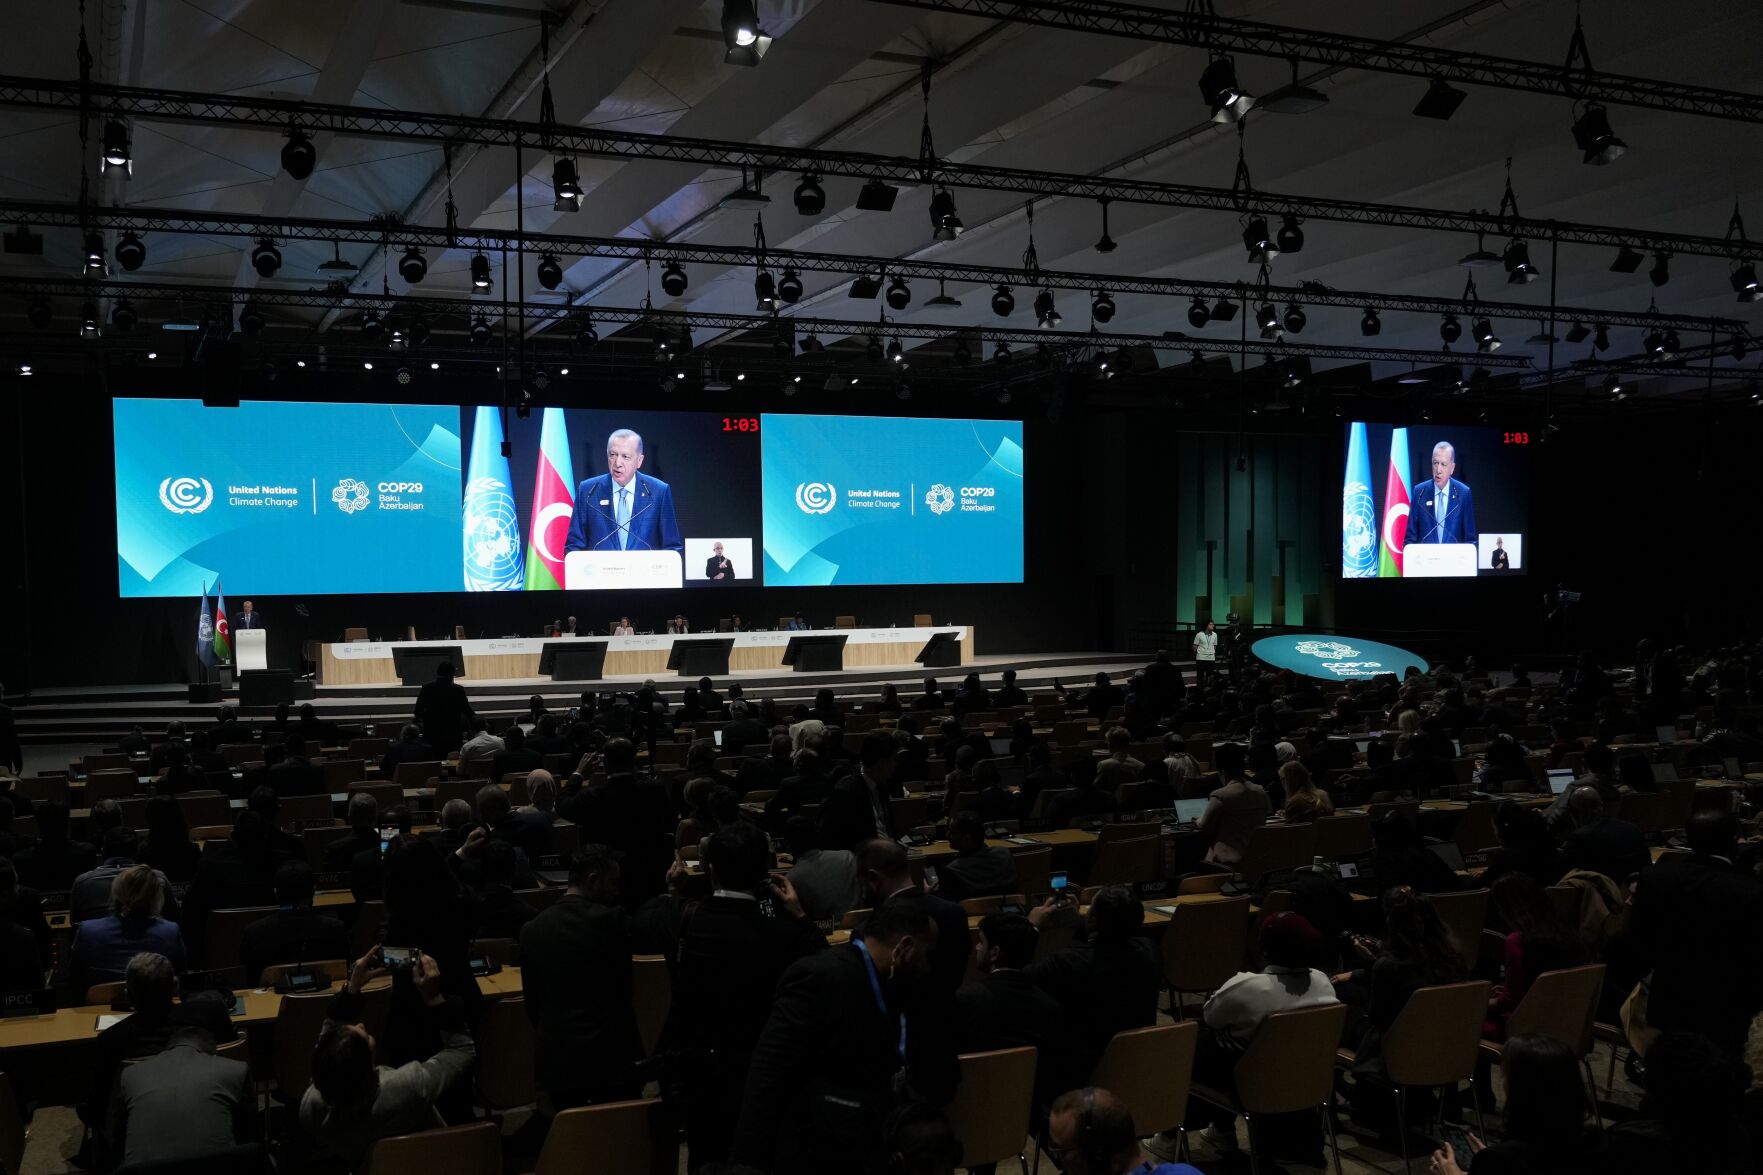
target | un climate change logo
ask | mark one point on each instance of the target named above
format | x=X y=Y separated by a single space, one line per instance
x=350 y=495
x=940 y=498
x=1327 y=650
x=186 y=495
x=1358 y=532
x=816 y=497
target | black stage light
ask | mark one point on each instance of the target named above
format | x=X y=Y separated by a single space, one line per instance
x=1627 y=260
x=674 y=280
x=1601 y=338
x=480 y=272
x=251 y=319
x=1267 y=318
x=413 y=266
x=1198 y=315
x=1486 y=341
x=39 y=314
x=876 y=196
x=371 y=325
x=745 y=42
x=419 y=330
x=299 y=156
x=764 y=291
x=90 y=327
x=1593 y=135
x=1519 y=270
x=945 y=223
x=1102 y=307
x=899 y=294
x=1579 y=332
x=1046 y=313
x=1295 y=318
x=1440 y=100
x=1450 y=330
x=1291 y=237
x=1221 y=91
x=810 y=196
x=480 y=331
x=789 y=287
x=1370 y=324
x=566 y=186
x=94 y=253
x=131 y=253
x=1744 y=282
x=1661 y=271
x=266 y=258
x=1258 y=241
x=1003 y=302
x=867 y=286
x=550 y=272
x=1223 y=310
x=122 y=315
x=115 y=154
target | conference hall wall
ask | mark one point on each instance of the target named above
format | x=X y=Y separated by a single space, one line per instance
x=85 y=622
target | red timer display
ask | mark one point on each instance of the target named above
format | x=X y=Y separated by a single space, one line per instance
x=751 y=424
x=1516 y=438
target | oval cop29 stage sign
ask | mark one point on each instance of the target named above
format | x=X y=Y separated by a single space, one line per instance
x=1334 y=658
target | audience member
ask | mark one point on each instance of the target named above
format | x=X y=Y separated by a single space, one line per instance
x=977 y=870
x=1304 y=801
x=1689 y=1115
x=168 y=847
x=826 y=880
x=90 y=896
x=1091 y=1132
x=1539 y=939
x=515 y=757
x=499 y=911
x=1234 y=811
x=1105 y=983
x=295 y=933
x=408 y=747
x=1601 y=843
x=1550 y=1126
x=54 y=860
x=631 y=816
x=102 y=947
x=1003 y=1008
x=186 y=1106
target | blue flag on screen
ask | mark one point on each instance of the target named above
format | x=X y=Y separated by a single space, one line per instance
x=205 y=631
x=491 y=527
x=1358 y=519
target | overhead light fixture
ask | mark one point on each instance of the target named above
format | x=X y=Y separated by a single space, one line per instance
x=1370 y=324
x=1519 y=270
x=413 y=266
x=1673 y=344
x=550 y=271
x=765 y=291
x=266 y=258
x=94 y=253
x=480 y=272
x=338 y=263
x=1480 y=256
x=115 y=153
x=1593 y=135
x=1046 y=313
x=1661 y=271
x=1736 y=348
x=1440 y=100
x=1627 y=260
x=1295 y=318
x=1291 y=237
x=1001 y=353
x=810 y=196
x=89 y=322
x=1744 y=281
x=789 y=287
x=566 y=185
x=585 y=334
x=867 y=286
x=899 y=294
x=131 y=253
x=1221 y=91
x=367 y=364
x=1613 y=385
x=299 y=156
x=962 y=355
x=747 y=197
x=419 y=330
x=876 y=196
x=1105 y=243
x=1102 y=307
x=182 y=323
x=810 y=343
x=251 y=319
x=371 y=324
x=1579 y=332
x=1223 y=310
x=1267 y=318
x=746 y=43
x=1198 y=315
x=945 y=223
x=1003 y=302
x=873 y=349
x=1294 y=98
x=1601 y=338
x=1450 y=330
x=674 y=280
x=122 y=315
x=480 y=331
x=1543 y=337
x=1258 y=241
x=896 y=353
x=1486 y=341
x=942 y=303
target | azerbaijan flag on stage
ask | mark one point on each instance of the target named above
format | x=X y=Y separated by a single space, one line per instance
x=1395 y=508
x=553 y=504
x=223 y=635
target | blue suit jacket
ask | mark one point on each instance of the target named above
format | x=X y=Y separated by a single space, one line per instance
x=1423 y=522
x=594 y=525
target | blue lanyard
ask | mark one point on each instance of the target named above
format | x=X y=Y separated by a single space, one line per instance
x=881 y=1000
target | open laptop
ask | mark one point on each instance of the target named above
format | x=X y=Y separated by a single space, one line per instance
x=1190 y=811
x=1560 y=779
x=1666 y=734
x=1665 y=772
x=1448 y=852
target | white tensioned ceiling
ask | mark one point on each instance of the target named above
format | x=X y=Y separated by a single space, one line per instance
x=845 y=74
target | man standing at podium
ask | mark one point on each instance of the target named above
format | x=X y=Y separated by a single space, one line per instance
x=248 y=618
x=624 y=509
x=1441 y=510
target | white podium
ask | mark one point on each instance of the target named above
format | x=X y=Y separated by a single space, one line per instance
x=614 y=570
x=250 y=649
x=1438 y=560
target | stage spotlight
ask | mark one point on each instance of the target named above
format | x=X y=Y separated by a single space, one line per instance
x=89 y=324
x=962 y=354
x=1291 y=237
x=1736 y=348
x=566 y=186
x=94 y=253
x=1001 y=353
x=1003 y=395
x=371 y=325
x=1370 y=324
x=1627 y=260
x=1519 y=270
x=941 y=303
x=1221 y=91
x=1601 y=338
x=413 y=266
x=876 y=196
x=585 y=334
x=1542 y=338
x=480 y=331
x=1744 y=282
x=1673 y=344
x=810 y=343
x=1046 y=313
x=550 y=272
x=122 y=315
x=945 y=224
x=480 y=272
x=873 y=349
x=1440 y=100
x=131 y=253
x=1267 y=318
x=1102 y=307
x=866 y=285
x=1661 y=271
x=789 y=287
x=1486 y=341
x=1223 y=310
x=1579 y=332
x=810 y=196
x=1613 y=385
x=251 y=319
x=1450 y=330
x=266 y=258
x=299 y=156
x=115 y=155
x=1295 y=318
x=1593 y=135
x=674 y=280
x=896 y=353
x=1003 y=302
x=1198 y=315
x=419 y=330
x=1258 y=241
x=899 y=294
x=745 y=41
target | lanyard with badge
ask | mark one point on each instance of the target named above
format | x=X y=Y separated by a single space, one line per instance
x=881 y=1000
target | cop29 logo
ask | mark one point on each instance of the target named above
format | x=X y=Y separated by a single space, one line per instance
x=350 y=495
x=816 y=497
x=186 y=495
x=940 y=498
x=1327 y=650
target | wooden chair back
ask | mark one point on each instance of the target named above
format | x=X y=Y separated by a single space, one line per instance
x=1561 y=1004
x=104 y=993
x=205 y=807
x=505 y=951
x=1465 y=915
x=453 y=1150
x=112 y=784
x=1122 y=862
x=1275 y=847
x=1475 y=828
x=652 y=994
x=505 y=1055
x=614 y=1138
x=369 y=917
x=386 y=794
x=992 y=1106
x=342 y=774
x=363 y=747
x=1290 y=1064
x=225 y=930
x=1034 y=871
x=1205 y=943
x=1437 y=1035
x=1347 y=835
x=1151 y=1069
x=922 y=620
x=354 y=634
x=415 y=774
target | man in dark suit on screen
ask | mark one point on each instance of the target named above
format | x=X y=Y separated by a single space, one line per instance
x=1441 y=510
x=717 y=568
x=624 y=509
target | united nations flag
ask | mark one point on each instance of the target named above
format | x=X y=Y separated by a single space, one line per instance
x=491 y=527
x=1358 y=518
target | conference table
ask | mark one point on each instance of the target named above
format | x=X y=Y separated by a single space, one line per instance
x=509 y=658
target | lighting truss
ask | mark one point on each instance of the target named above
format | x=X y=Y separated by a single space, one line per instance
x=276 y=115
x=43 y=214
x=1223 y=35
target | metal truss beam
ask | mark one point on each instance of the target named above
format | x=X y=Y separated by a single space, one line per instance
x=271 y=114
x=1267 y=40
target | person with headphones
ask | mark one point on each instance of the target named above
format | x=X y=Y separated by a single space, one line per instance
x=1090 y=1132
